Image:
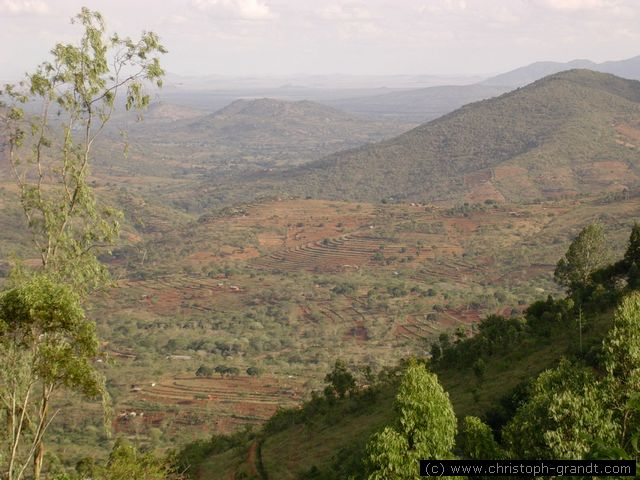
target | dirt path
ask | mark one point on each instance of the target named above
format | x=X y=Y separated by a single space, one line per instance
x=251 y=458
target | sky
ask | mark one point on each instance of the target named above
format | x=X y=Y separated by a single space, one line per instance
x=354 y=37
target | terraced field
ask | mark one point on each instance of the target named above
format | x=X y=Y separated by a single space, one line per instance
x=290 y=286
x=223 y=404
x=331 y=254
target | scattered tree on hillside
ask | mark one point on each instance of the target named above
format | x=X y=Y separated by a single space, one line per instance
x=340 y=380
x=425 y=429
x=587 y=253
x=632 y=257
x=204 y=371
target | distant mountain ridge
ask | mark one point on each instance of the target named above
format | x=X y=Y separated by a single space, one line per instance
x=569 y=133
x=424 y=104
x=629 y=68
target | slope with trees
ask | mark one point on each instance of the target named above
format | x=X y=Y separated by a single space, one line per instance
x=539 y=396
x=561 y=136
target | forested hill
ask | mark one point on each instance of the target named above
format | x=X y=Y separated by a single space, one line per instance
x=272 y=123
x=570 y=133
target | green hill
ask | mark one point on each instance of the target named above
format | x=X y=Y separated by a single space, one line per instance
x=571 y=133
x=293 y=132
x=246 y=135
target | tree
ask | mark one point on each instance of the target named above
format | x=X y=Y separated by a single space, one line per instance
x=253 y=371
x=586 y=254
x=566 y=414
x=51 y=346
x=632 y=257
x=204 y=371
x=425 y=429
x=50 y=155
x=78 y=88
x=340 y=380
x=622 y=363
x=125 y=462
x=477 y=442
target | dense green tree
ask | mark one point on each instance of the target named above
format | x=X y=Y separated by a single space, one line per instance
x=125 y=462
x=204 y=371
x=477 y=442
x=565 y=415
x=426 y=428
x=51 y=346
x=632 y=257
x=340 y=380
x=622 y=363
x=587 y=253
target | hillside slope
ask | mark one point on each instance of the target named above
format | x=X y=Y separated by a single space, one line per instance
x=571 y=133
x=325 y=442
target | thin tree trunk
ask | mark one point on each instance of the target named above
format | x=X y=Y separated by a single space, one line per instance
x=38 y=457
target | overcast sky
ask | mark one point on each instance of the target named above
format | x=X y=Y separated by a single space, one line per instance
x=281 y=37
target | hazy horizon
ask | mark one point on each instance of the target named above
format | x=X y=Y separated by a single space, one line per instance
x=284 y=38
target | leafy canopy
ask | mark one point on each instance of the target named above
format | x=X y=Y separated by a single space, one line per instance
x=426 y=428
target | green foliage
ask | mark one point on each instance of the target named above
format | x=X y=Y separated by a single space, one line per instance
x=426 y=428
x=340 y=380
x=78 y=88
x=622 y=363
x=563 y=418
x=223 y=370
x=125 y=462
x=477 y=442
x=45 y=317
x=51 y=346
x=191 y=455
x=204 y=371
x=51 y=164
x=587 y=253
x=495 y=335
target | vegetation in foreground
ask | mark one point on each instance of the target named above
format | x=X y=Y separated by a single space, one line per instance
x=570 y=398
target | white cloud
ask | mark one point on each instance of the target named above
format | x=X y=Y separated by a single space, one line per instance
x=573 y=5
x=439 y=6
x=244 y=9
x=22 y=7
